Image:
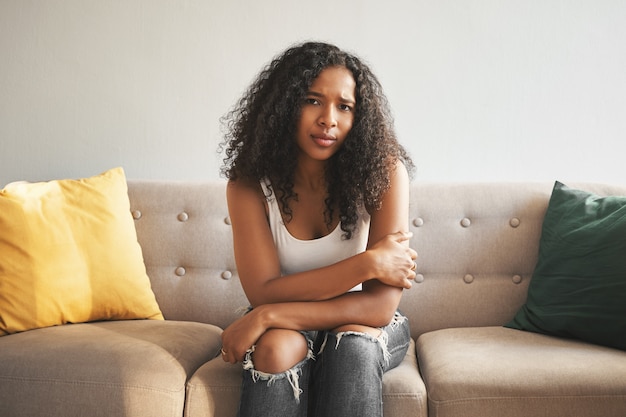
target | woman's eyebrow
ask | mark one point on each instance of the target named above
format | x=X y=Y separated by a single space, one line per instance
x=349 y=100
x=320 y=95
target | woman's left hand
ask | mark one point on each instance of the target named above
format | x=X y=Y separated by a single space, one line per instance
x=241 y=335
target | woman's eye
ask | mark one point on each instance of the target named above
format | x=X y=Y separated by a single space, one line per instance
x=345 y=107
x=311 y=101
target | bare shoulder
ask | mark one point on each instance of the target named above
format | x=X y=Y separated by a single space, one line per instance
x=392 y=216
x=246 y=202
x=244 y=189
x=399 y=175
x=244 y=192
x=398 y=191
x=398 y=186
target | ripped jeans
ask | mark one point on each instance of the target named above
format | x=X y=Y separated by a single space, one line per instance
x=341 y=376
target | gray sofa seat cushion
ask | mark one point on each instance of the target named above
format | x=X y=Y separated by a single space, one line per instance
x=495 y=371
x=117 y=368
x=215 y=388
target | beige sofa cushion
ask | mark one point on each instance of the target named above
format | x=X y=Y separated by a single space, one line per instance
x=214 y=390
x=186 y=237
x=496 y=371
x=121 y=368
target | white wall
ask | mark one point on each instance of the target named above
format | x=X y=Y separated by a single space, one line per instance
x=482 y=90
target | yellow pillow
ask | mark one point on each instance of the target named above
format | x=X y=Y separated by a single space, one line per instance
x=69 y=254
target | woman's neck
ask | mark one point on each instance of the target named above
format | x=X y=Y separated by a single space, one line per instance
x=311 y=175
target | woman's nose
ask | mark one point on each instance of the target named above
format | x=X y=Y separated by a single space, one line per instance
x=328 y=118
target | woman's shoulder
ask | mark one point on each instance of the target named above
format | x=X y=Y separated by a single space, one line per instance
x=400 y=172
x=398 y=181
x=244 y=189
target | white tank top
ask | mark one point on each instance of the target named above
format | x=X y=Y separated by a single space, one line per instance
x=298 y=255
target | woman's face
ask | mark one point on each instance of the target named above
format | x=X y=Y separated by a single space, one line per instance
x=327 y=113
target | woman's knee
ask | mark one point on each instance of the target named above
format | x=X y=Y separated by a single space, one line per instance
x=358 y=328
x=279 y=350
x=355 y=345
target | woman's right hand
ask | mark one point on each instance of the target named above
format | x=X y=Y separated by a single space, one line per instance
x=240 y=335
x=394 y=261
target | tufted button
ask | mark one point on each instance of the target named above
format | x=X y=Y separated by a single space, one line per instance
x=514 y=222
x=183 y=217
x=180 y=271
x=419 y=278
x=468 y=278
x=418 y=222
x=226 y=275
x=517 y=279
x=227 y=220
x=466 y=222
x=136 y=214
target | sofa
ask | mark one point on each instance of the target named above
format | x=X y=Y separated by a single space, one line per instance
x=478 y=245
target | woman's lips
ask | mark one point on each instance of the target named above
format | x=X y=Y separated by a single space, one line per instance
x=324 y=140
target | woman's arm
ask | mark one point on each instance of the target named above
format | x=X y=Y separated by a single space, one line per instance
x=259 y=267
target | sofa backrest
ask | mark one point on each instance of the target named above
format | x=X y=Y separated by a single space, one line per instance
x=477 y=246
x=185 y=235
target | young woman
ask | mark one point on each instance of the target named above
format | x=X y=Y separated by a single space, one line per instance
x=318 y=199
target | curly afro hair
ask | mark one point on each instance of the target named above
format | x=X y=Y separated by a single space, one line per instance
x=260 y=133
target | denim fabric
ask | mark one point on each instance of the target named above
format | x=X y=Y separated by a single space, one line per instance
x=341 y=376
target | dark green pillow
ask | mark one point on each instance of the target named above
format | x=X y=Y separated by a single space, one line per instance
x=578 y=288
